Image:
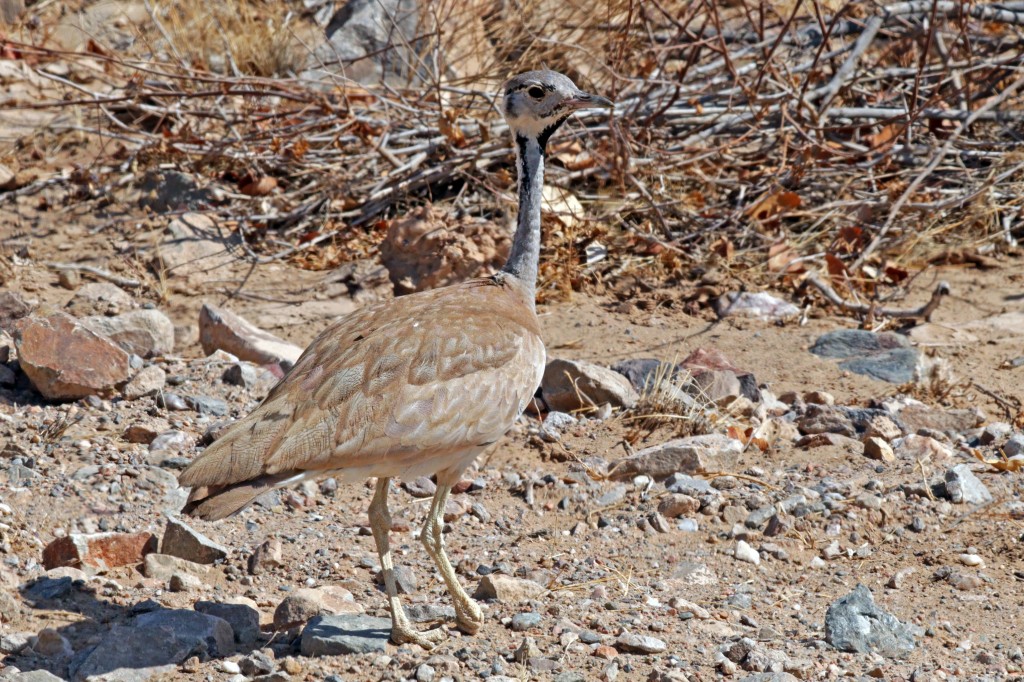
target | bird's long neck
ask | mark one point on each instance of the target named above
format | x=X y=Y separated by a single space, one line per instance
x=525 y=254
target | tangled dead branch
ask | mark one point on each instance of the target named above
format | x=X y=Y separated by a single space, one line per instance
x=830 y=130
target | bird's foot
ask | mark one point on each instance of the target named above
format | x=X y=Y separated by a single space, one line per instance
x=469 y=618
x=428 y=639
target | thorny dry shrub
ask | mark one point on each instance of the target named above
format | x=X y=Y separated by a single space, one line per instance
x=854 y=140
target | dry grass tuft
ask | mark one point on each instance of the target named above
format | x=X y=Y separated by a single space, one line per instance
x=671 y=405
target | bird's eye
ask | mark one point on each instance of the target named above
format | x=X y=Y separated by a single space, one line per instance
x=536 y=92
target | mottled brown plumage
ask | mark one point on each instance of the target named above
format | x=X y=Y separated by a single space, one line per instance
x=398 y=389
x=414 y=386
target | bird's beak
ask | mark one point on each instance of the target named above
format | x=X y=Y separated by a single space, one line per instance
x=584 y=100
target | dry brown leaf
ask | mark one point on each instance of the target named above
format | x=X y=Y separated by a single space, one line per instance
x=773 y=205
x=781 y=257
x=258 y=187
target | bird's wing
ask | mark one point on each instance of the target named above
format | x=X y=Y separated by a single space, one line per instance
x=425 y=374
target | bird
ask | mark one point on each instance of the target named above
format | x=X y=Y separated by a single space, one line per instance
x=414 y=386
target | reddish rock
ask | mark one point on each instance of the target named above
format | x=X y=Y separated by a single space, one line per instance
x=101 y=551
x=223 y=330
x=606 y=652
x=66 y=361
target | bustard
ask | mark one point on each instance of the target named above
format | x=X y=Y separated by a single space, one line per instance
x=414 y=386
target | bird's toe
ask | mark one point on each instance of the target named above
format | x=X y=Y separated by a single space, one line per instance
x=470 y=619
x=427 y=639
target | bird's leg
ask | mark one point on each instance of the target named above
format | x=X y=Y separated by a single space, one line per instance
x=467 y=613
x=402 y=631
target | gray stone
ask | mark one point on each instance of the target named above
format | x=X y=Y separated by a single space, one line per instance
x=421 y=487
x=371 y=41
x=241 y=374
x=149 y=380
x=507 y=589
x=308 y=602
x=963 y=487
x=847 y=343
x=243 y=619
x=770 y=677
x=345 y=634
x=165 y=567
x=146 y=333
x=643 y=644
x=172 y=441
x=885 y=356
x=181 y=540
x=692 y=455
x=521 y=622
x=573 y=385
x=223 y=330
x=156 y=642
x=170 y=190
x=206 y=405
x=854 y=623
x=34 y=676
x=647 y=373
x=1014 y=447
x=689 y=485
x=758 y=305
x=429 y=613
x=100 y=298
x=405 y=579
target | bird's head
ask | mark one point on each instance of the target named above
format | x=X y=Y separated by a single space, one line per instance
x=537 y=102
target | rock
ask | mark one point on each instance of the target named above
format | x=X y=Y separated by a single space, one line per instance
x=12 y=307
x=99 y=298
x=1014 y=446
x=165 y=567
x=506 y=589
x=885 y=356
x=427 y=249
x=164 y=191
x=421 y=487
x=688 y=485
x=521 y=622
x=308 y=602
x=257 y=663
x=555 y=423
x=572 y=385
x=714 y=377
x=692 y=455
x=183 y=541
x=876 y=448
x=405 y=579
x=915 y=448
x=10 y=607
x=146 y=333
x=223 y=330
x=66 y=361
x=645 y=374
x=915 y=417
x=677 y=504
x=150 y=380
x=156 y=642
x=243 y=618
x=241 y=374
x=880 y=426
x=769 y=677
x=265 y=557
x=759 y=305
x=963 y=487
x=184 y=582
x=641 y=644
x=854 y=623
x=101 y=551
x=52 y=644
x=345 y=634
x=823 y=419
x=745 y=552
x=172 y=441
